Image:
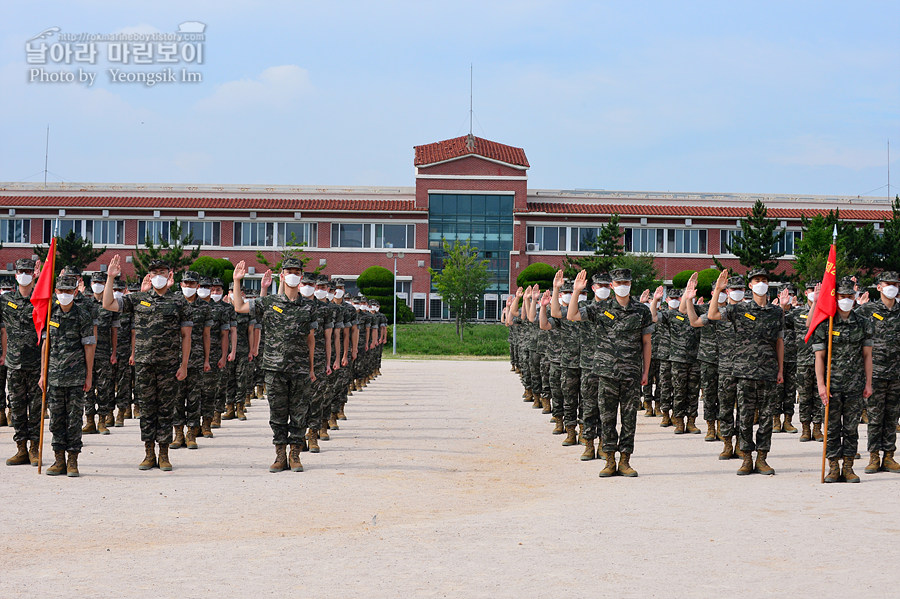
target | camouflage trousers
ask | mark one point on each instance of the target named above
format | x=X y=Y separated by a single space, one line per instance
x=319 y=405
x=556 y=394
x=102 y=397
x=187 y=404
x=685 y=388
x=844 y=411
x=238 y=381
x=665 y=385
x=25 y=403
x=290 y=395
x=618 y=398
x=209 y=391
x=66 y=405
x=570 y=381
x=155 y=389
x=811 y=409
x=590 y=406
x=3 y=401
x=512 y=353
x=729 y=421
x=753 y=395
x=709 y=385
x=883 y=408
x=124 y=374
x=545 y=377
x=341 y=386
x=786 y=392
x=221 y=393
x=650 y=391
x=534 y=371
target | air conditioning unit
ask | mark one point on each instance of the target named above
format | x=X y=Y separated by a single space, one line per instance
x=532 y=247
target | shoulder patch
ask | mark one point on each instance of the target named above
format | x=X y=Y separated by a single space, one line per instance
x=750 y=316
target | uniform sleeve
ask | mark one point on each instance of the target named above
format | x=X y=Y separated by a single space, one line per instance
x=184 y=313
x=820 y=337
x=588 y=311
x=127 y=305
x=647 y=324
x=314 y=317
x=869 y=338
x=86 y=326
x=704 y=318
x=779 y=334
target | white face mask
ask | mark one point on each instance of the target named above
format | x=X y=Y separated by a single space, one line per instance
x=291 y=280
x=622 y=290
x=760 y=288
x=118 y=295
x=24 y=279
x=189 y=291
x=158 y=281
x=811 y=296
x=566 y=298
x=97 y=287
x=602 y=293
x=329 y=296
x=307 y=290
x=339 y=293
x=203 y=292
x=65 y=298
x=217 y=297
x=846 y=304
x=674 y=303
x=889 y=291
x=736 y=295
x=582 y=297
x=723 y=297
x=320 y=293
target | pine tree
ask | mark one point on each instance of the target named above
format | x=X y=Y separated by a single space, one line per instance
x=292 y=249
x=608 y=248
x=174 y=250
x=71 y=250
x=755 y=246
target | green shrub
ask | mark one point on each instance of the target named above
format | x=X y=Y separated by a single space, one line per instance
x=705 y=281
x=208 y=266
x=540 y=273
x=681 y=279
x=375 y=276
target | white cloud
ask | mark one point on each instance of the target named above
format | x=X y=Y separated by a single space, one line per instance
x=276 y=88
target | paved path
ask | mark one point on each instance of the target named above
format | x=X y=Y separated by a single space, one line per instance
x=442 y=483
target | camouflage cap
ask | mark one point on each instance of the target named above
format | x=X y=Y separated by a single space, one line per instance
x=811 y=284
x=674 y=293
x=205 y=282
x=132 y=287
x=7 y=283
x=118 y=283
x=361 y=298
x=217 y=282
x=338 y=282
x=758 y=272
x=190 y=276
x=322 y=280
x=66 y=282
x=620 y=274
x=791 y=289
x=231 y=286
x=308 y=278
x=375 y=303
x=72 y=270
x=889 y=276
x=157 y=264
x=846 y=286
x=24 y=264
x=331 y=286
x=291 y=263
x=601 y=279
x=735 y=282
x=567 y=286
x=98 y=277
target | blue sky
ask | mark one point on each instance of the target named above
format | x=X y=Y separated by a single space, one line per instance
x=769 y=97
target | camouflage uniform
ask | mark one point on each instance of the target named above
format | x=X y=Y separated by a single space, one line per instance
x=595 y=344
x=238 y=370
x=726 y=336
x=554 y=352
x=187 y=404
x=684 y=342
x=222 y=386
x=811 y=409
x=124 y=372
x=320 y=409
x=708 y=355
x=66 y=371
x=664 y=390
x=220 y=314
x=350 y=320
x=786 y=392
x=101 y=397
x=569 y=360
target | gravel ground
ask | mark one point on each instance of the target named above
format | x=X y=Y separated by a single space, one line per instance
x=442 y=483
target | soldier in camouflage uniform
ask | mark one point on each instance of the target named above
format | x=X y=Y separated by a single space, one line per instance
x=238 y=366
x=852 y=338
x=69 y=373
x=288 y=358
x=708 y=356
x=811 y=412
x=554 y=356
x=629 y=325
x=664 y=377
x=187 y=403
x=365 y=334
x=883 y=404
x=570 y=346
x=786 y=392
x=100 y=399
x=348 y=348
x=22 y=357
x=121 y=369
x=325 y=312
x=220 y=336
x=595 y=350
x=758 y=362
x=162 y=347
x=6 y=286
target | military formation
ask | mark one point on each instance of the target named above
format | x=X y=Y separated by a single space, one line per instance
x=592 y=363
x=182 y=359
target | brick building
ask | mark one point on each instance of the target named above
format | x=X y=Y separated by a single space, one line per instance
x=466 y=188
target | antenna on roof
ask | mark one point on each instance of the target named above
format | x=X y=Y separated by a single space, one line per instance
x=47 y=154
x=889 y=170
x=470 y=140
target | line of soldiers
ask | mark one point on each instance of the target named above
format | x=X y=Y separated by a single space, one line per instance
x=593 y=363
x=183 y=359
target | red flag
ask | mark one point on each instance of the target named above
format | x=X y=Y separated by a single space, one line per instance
x=826 y=302
x=43 y=291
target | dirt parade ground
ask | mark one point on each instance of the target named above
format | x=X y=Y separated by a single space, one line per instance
x=443 y=483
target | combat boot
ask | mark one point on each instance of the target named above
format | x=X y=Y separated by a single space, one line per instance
x=205 y=428
x=280 y=463
x=164 y=463
x=806 y=435
x=528 y=396
x=888 y=464
x=648 y=409
x=601 y=455
x=312 y=439
x=537 y=401
x=229 y=412
x=101 y=425
x=657 y=410
x=610 y=468
x=874 y=464
x=625 y=468
x=711 y=431
x=545 y=403
x=128 y=411
x=834 y=472
x=747 y=466
x=786 y=426
x=178 y=441
x=323 y=432
x=247 y=402
x=728 y=450
x=776 y=423
x=136 y=411
x=110 y=420
x=216 y=420
x=340 y=414
x=120 y=419
x=691 y=426
x=666 y=419
x=571 y=436
x=239 y=411
x=59 y=466
x=89 y=428
x=679 y=425
x=589 y=452
x=332 y=423
x=150 y=457
x=72 y=465
x=190 y=438
x=761 y=466
x=21 y=458
x=847 y=471
x=294 y=459
x=33 y=454
x=559 y=429
x=817 y=432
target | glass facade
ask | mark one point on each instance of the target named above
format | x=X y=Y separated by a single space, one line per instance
x=485 y=221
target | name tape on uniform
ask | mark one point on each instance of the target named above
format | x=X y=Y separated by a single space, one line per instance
x=608 y=315
x=750 y=316
x=148 y=304
x=54 y=324
x=878 y=316
x=12 y=305
x=277 y=309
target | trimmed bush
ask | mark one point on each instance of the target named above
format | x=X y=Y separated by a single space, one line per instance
x=540 y=273
x=705 y=281
x=681 y=279
x=375 y=276
x=208 y=266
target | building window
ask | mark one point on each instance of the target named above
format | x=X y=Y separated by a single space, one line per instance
x=351 y=235
x=686 y=241
x=98 y=232
x=15 y=231
x=156 y=231
x=298 y=234
x=583 y=239
x=666 y=241
x=547 y=239
x=254 y=234
x=787 y=242
x=418 y=307
x=642 y=241
x=204 y=232
x=726 y=239
x=395 y=236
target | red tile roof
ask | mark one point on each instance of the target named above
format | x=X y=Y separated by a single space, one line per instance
x=208 y=203
x=699 y=211
x=457 y=148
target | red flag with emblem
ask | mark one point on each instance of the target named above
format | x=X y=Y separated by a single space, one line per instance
x=826 y=301
x=43 y=292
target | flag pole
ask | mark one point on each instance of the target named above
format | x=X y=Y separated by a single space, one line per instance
x=828 y=373
x=45 y=360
